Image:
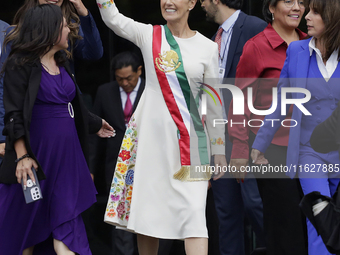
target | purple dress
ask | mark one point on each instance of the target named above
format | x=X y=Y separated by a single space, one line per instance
x=68 y=189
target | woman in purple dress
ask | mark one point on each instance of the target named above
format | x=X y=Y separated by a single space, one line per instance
x=46 y=124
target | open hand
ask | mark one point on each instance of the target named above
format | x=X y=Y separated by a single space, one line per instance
x=80 y=7
x=106 y=131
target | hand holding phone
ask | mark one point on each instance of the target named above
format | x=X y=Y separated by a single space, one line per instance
x=32 y=191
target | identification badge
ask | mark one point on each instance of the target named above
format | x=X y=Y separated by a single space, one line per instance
x=221 y=73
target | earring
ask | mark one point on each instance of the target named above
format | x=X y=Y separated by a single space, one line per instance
x=190 y=9
x=272 y=16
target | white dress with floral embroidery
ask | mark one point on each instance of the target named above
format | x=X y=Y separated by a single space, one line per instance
x=144 y=196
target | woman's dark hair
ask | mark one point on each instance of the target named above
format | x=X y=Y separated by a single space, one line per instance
x=69 y=12
x=267 y=15
x=37 y=32
x=125 y=59
x=330 y=12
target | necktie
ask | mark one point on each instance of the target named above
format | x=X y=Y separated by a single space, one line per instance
x=218 y=38
x=128 y=108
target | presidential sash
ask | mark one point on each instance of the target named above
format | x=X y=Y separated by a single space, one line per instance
x=181 y=104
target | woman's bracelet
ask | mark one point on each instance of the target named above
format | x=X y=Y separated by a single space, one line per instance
x=22 y=157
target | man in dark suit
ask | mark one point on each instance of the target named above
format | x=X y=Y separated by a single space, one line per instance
x=116 y=101
x=232 y=199
x=111 y=101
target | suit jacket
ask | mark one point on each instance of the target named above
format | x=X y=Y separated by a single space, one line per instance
x=296 y=66
x=21 y=85
x=245 y=27
x=108 y=105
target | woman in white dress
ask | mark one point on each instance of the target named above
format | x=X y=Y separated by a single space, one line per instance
x=166 y=148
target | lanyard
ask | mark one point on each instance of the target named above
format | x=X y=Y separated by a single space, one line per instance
x=230 y=31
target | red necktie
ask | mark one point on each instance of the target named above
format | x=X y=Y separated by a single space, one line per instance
x=218 y=38
x=128 y=108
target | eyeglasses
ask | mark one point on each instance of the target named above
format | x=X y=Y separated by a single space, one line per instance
x=290 y=3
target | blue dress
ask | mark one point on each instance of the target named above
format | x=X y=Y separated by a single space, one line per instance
x=68 y=189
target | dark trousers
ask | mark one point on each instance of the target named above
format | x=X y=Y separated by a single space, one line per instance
x=284 y=223
x=123 y=242
x=233 y=201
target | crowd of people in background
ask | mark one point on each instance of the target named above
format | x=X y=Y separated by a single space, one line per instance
x=150 y=135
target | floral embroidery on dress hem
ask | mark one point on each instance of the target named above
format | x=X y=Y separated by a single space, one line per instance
x=218 y=141
x=119 y=202
x=111 y=213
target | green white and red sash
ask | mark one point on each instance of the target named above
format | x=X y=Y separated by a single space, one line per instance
x=178 y=96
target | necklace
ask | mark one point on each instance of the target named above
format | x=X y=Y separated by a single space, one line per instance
x=48 y=70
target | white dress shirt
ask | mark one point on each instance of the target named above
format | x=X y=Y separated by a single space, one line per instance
x=331 y=64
